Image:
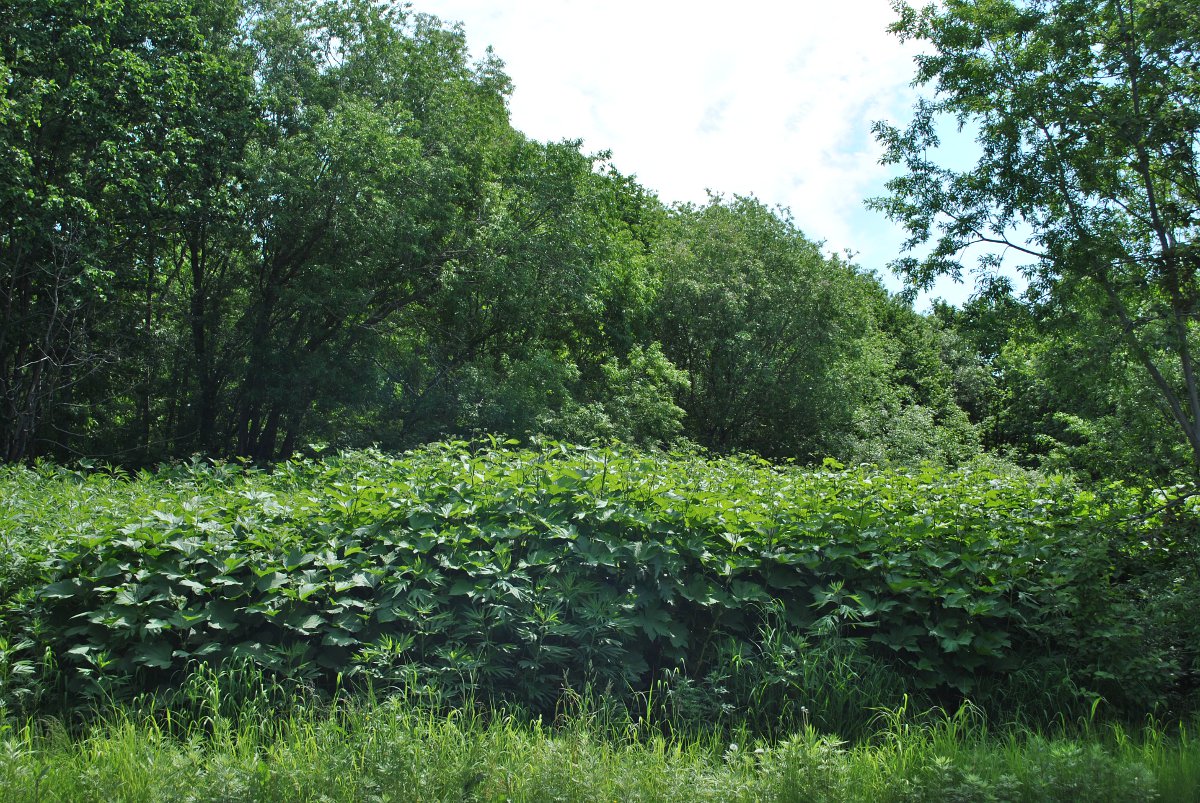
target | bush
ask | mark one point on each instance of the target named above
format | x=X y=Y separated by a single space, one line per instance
x=513 y=575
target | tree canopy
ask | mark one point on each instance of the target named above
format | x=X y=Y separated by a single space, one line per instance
x=240 y=227
x=1088 y=121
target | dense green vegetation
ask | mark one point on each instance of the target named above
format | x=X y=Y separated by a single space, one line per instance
x=367 y=750
x=1087 y=118
x=235 y=228
x=274 y=274
x=742 y=592
x=563 y=621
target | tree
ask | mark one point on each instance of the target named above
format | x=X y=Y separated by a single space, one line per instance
x=367 y=185
x=229 y=226
x=524 y=333
x=1088 y=121
x=921 y=412
x=1045 y=400
x=778 y=341
x=102 y=106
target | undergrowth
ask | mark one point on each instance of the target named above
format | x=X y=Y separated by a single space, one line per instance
x=232 y=745
x=725 y=590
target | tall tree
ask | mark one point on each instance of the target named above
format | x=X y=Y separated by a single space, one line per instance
x=776 y=339
x=1088 y=120
x=98 y=114
x=549 y=291
x=368 y=184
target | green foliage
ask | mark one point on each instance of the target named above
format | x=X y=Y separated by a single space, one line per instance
x=789 y=353
x=399 y=749
x=230 y=229
x=766 y=328
x=1044 y=397
x=112 y=118
x=1086 y=119
x=546 y=394
x=641 y=397
x=819 y=678
x=921 y=411
x=516 y=575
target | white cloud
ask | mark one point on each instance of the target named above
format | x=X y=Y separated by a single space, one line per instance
x=762 y=97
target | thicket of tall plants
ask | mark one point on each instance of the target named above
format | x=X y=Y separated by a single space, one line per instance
x=233 y=232
x=236 y=227
x=728 y=590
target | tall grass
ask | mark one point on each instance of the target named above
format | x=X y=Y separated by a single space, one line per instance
x=234 y=739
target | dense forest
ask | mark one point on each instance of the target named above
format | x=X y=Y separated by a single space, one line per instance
x=240 y=229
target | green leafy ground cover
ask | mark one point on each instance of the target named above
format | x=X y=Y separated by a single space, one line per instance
x=721 y=590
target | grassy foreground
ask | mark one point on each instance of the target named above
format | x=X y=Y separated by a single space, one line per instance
x=395 y=751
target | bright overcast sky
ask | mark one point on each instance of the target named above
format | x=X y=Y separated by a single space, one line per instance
x=762 y=97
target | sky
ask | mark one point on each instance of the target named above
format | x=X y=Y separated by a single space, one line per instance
x=762 y=97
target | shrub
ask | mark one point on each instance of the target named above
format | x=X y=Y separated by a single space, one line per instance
x=511 y=575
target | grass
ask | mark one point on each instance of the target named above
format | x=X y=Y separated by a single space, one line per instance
x=394 y=750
